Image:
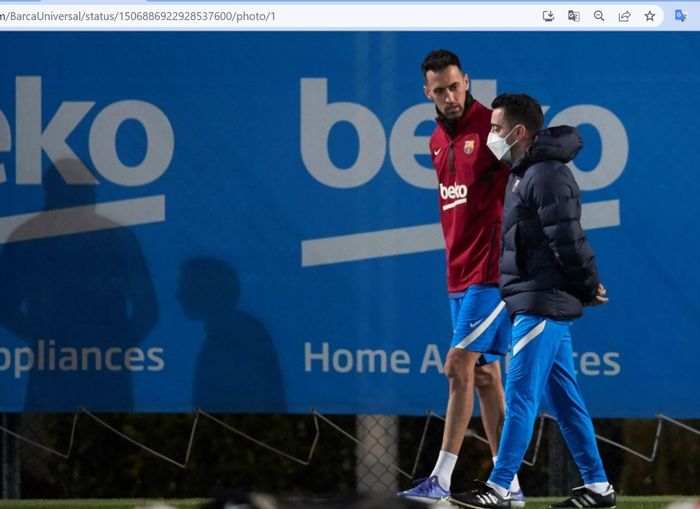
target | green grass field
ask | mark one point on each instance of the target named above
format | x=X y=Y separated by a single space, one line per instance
x=532 y=503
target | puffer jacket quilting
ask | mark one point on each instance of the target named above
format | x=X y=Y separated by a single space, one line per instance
x=547 y=265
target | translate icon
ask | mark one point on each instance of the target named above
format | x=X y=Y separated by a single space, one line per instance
x=548 y=15
x=680 y=15
x=574 y=16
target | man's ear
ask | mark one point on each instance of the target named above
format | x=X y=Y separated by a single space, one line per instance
x=466 y=81
x=427 y=92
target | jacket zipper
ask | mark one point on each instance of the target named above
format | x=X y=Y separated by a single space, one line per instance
x=451 y=157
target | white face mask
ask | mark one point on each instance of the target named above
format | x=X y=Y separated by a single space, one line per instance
x=499 y=146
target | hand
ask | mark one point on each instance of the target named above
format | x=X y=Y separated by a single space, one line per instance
x=600 y=298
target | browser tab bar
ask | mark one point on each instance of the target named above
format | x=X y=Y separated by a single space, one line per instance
x=328 y=16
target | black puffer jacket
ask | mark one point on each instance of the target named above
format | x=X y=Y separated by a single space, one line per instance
x=547 y=266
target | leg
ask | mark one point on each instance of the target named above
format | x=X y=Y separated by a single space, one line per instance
x=478 y=319
x=476 y=316
x=459 y=370
x=573 y=417
x=534 y=347
x=491 y=402
x=489 y=384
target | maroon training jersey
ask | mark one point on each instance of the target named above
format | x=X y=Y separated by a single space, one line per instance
x=471 y=185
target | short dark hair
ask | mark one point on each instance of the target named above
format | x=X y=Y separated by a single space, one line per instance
x=439 y=59
x=520 y=109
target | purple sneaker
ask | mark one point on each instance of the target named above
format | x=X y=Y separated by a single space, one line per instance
x=518 y=501
x=425 y=490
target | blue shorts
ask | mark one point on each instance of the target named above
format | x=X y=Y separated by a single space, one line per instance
x=480 y=322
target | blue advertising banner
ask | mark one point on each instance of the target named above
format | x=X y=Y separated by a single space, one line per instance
x=247 y=222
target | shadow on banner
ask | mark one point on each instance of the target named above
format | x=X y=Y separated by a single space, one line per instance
x=81 y=302
x=237 y=367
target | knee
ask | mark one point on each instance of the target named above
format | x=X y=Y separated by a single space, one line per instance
x=458 y=370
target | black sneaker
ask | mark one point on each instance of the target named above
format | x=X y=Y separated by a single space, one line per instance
x=482 y=496
x=583 y=497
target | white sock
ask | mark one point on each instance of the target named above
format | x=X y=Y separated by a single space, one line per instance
x=500 y=489
x=443 y=468
x=515 y=485
x=598 y=487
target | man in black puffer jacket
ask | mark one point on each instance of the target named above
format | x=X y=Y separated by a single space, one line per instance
x=548 y=274
x=547 y=266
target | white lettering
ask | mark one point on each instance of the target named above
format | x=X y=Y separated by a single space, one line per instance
x=608 y=361
x=399 y=359
x=159 y=363
x=342 y=360
x=24 y=360
x=52 y=354
x=74 y=359
x=41 y=355
x=371 y=356
x=361 y=361
x=159 y=147
x=109 y=363
x=588 y=363
x=318 y=117
x=452 y=192
x=68 y=360
x=614 y=144
x=133 y=357
x=432 y=359
x=309 y=356
x=31 y=140
x=6 y=359
x=404 y=145
x=97 y=354
x=590 y=360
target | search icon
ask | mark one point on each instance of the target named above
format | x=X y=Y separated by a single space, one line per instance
x=598 y=15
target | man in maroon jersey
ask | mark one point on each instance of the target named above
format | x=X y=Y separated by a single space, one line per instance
x=471 y=184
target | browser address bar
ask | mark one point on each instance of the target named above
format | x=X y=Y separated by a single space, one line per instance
x=318 y=16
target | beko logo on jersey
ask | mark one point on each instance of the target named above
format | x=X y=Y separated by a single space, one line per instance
x=32 y=140
x=455 y=192
x=452 y=192
x=401 y=145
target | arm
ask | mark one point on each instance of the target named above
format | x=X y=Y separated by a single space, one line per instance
x=556 y=196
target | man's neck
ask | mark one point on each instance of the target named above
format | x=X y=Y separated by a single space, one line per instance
x=452 y=123
x=520 y=149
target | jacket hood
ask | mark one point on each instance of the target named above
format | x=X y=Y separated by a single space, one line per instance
x=560 y=143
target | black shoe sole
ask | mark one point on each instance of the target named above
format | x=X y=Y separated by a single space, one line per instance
x=459 y=503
